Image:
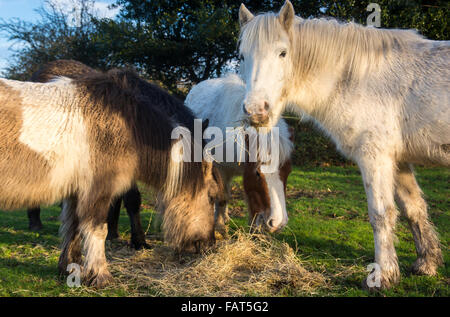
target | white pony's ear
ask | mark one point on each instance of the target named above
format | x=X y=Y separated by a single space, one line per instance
x=245 y=15
x=287 y=15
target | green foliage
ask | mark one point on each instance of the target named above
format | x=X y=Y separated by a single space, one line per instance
x=172 y=41
x=430 y=18
x=312 y=147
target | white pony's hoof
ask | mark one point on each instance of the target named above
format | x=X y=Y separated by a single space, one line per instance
x=424 y=267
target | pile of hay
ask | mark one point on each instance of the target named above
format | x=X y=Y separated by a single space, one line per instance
x=255 y=265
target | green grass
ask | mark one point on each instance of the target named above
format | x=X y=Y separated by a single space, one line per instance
x=328 y=227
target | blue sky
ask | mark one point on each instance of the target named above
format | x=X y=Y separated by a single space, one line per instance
x=25 y=10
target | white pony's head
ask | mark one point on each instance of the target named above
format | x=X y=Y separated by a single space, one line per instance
x=265 y=51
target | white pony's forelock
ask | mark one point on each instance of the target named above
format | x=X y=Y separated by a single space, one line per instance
x=319 y=43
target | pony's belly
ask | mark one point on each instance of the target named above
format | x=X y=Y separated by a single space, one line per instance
x=24 y=177
x=431 y=155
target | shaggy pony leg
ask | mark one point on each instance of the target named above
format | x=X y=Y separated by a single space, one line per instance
x=378 y=177
x=93 y=229
x=132 y=201
x=412 y=205
x=69 y=230
x=113 y=219
x=34 y=219
x=221 y=217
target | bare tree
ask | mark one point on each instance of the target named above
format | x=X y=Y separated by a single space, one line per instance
x=60 y=33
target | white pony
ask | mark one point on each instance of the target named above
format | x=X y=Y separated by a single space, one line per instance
x=381 y=95
x=220 y=101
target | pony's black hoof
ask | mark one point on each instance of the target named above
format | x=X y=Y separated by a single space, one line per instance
x=202 y=246
x=35 y=227
x=139 y=245
x=112 y=236
x=62 y=272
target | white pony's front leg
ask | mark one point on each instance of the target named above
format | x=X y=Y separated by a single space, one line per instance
x=378 y=177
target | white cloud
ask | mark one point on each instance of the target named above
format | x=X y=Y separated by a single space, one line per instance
x=4 y=44
x=105 y=11
x=101 y=8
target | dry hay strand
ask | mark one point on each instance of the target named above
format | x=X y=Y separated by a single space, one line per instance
x=244 y=265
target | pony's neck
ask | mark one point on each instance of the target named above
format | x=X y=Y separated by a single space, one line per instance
x=328 y=55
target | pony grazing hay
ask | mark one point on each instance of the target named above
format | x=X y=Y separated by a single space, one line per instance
x=246 y=264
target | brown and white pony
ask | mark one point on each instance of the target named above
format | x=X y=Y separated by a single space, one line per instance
x=220 y=101
x=86 y=141
x=131 y=199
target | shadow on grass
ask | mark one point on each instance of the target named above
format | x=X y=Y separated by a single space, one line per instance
x=29 y=267
x=327 y=249
x=47 y=237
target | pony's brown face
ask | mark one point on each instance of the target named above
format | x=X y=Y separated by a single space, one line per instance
x=202 y=229
x=189 y=217
x=266 y=196
x=257 y=193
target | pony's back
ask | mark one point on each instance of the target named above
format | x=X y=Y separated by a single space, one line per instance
x=170 y=105
x=61 y=68
x=218 y=100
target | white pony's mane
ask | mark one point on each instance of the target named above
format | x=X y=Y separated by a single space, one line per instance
x=220 y=100
x=325 y=42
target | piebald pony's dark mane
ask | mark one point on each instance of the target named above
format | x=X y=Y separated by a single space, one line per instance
x=140 y=105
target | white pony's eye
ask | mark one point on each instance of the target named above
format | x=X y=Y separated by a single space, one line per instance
x=283 y=54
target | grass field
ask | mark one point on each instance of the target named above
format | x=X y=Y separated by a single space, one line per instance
x=328 y=228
